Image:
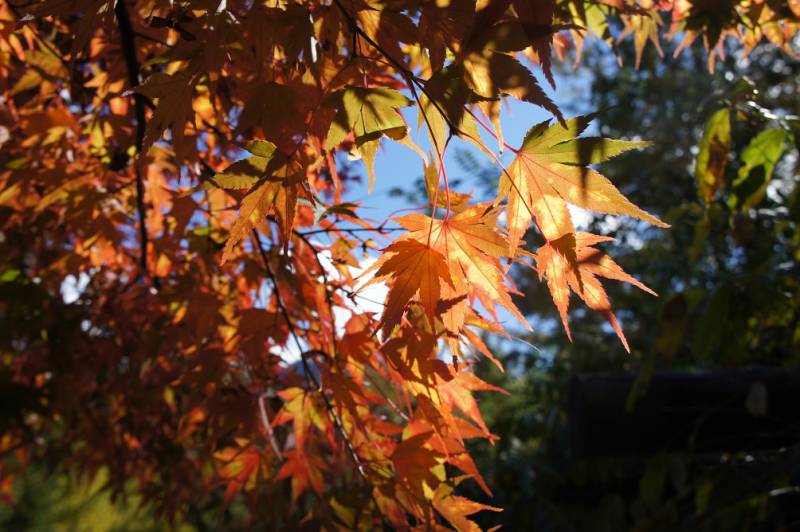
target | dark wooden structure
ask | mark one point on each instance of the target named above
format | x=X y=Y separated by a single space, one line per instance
x=719 y=410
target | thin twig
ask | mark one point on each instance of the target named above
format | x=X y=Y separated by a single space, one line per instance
x=262 y=407
x=379 y=230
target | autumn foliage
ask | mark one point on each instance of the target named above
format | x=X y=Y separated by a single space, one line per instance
x=185 y=162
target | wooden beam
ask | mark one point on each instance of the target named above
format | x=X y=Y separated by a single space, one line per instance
x=719 y=410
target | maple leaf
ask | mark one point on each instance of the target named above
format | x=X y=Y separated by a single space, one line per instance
x=413 y=354
x=449 y=434
x=490 y=68
x=537 y=21
x=246 y=172
x=456 y=509
x=644 y=27
x=388 y=28
x=368 y=113
x=414 y=268
x=304 y=470
x=414 y=460
x=496 y=74
x=275 y=181
x=550 y=171
x=442 y=107
x=174 y=108
x=456 y=394
x=300 y=408
x=242 y=467
x=570 y=263
x=473 y=247
x=443 y=26
x=712 y=158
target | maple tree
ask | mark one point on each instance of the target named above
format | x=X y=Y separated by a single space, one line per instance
x=186 y=160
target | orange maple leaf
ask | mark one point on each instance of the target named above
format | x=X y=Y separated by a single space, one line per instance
x=241 y=469
x=473 y=247
x=414 y=268
x=571 y=263
x=305 y=469
x=456 y=509
x=413 y=461
x=301 y=408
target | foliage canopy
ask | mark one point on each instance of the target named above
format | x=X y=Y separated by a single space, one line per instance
x=183 y=162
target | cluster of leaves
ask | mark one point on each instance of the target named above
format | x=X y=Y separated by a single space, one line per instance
x=727 y=278
x=196 y=324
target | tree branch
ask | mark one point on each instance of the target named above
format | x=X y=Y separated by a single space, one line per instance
x=309 y=375
x=126 y=34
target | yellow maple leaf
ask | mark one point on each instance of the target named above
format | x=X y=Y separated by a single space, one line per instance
x=550 y=170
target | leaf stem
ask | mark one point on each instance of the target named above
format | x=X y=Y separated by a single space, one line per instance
x=489 y=130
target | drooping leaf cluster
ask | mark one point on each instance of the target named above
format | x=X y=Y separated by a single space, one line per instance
x=184 y=284
x=727 y=280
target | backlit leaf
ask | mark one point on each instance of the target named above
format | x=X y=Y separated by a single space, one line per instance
x=415 y=269
x=759 y=157
x=549 y=172
x=713 y=156
x=368 y=113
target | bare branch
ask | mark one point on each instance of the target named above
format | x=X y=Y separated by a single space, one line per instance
x=128 y=43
